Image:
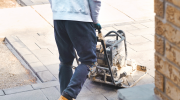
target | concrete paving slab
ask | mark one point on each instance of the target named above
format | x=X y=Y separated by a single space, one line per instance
x=145 y=80
x=125 y=23
x=143 y=92
x=45 y=85
x=23 y=51
x=37 y=2
x=41 y=45
x=136 y=9
x=131 y=53
x=1 y=93
x=151 y=72
x=139 y=26
x=30 y=58
x=26 y=38
x=51 y=93
x=26 y=2
x=32 y=46
x=147 y=31
x=45 y=40
x=94 y=96
x=18 y=89
x=149 y=37
x=22 y=20
x=113 y=15
x=85 y=92
x=49 y=60
x=45 y=1
x=46 y=76
x=149 y=24
x=45 y=11
x=136 y=40
x=110 y=29
x=42 y=53
x=30 y=43
x=110 y=95
x=57 y=76
x=145 y=56
x=142 y=46
x=12 y=39
x=125 y=27
x=98 y=87
x=128 y=34
x=30 y=95
x=18 y=44
x=53 y=68
x=108 y=25
x=103 y=31
x=58 y=88
x=143 y=21
x=37 y=67
x=150 y=66
x=54 y=50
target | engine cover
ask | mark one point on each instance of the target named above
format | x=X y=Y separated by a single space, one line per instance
x=114 y=53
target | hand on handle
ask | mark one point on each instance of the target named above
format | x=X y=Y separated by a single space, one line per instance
x=98 y=27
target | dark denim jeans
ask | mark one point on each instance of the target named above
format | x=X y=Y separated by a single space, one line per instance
x=82 y=37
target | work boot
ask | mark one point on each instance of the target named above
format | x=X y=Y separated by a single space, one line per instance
x=65 y=96
x=62 y=98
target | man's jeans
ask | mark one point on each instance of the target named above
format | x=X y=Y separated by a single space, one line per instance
x=82 y=37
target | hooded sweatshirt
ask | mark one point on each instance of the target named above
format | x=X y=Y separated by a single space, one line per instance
x=77 y=10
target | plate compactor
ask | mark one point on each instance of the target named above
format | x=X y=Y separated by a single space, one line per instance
x=112 y=66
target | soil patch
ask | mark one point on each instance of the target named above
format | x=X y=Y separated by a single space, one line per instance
x=12 y=73
x=8 y=4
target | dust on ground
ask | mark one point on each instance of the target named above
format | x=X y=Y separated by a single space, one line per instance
x=12 y=73
x=8 y=4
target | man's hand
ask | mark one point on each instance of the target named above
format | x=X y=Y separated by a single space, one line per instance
x=97 y=26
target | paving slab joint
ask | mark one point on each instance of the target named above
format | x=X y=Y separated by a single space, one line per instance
x=125 y=23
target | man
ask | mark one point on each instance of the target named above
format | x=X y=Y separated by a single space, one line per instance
x=74 y=22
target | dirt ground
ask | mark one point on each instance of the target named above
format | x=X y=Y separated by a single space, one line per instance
x=8 y=4
x=12 y=73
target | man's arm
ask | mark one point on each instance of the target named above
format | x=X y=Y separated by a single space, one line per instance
x=95 y=8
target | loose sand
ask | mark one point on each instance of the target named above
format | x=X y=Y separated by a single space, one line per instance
x=8 y=4
x=12 y=73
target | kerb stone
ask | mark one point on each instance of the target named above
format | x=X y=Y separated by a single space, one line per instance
x=1 y=93
x=30 y=95
x=18 y=89
x=45 y=85
x=51 y=93
x=46 y=76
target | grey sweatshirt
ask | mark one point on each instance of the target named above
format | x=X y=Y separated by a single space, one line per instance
x=77 y=10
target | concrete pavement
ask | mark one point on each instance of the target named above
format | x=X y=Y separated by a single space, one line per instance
x=30 y=31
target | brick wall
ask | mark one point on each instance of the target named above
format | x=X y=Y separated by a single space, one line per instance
x=167 y=45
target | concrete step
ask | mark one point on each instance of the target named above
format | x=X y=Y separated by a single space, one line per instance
x=142 y=92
